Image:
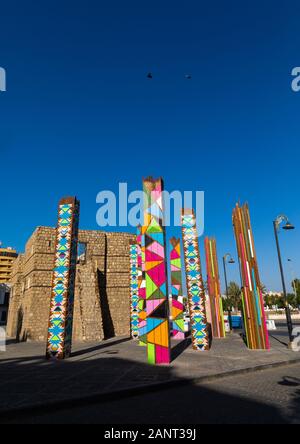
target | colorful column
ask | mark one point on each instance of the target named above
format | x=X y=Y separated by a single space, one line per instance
x=59 y=342
x=195 y=287
x=142 y=287
x=214 y=288
x=177 y=310
x=157 y=304
x=253 y=306
x=134 y=291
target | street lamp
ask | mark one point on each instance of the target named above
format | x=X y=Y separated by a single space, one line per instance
x=287 y=226
x=228 y=259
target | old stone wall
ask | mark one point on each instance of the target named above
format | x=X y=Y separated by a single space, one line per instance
x=102 y=293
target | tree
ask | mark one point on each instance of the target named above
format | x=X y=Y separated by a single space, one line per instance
x=291 y=298
x=234 y=297
x=296 y=287
x=279 y=301
x=269 y=300
x=264 y=290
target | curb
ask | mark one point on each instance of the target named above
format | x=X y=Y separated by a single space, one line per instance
x=97 y=398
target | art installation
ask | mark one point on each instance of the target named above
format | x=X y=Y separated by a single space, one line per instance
x=253 y=306
x=178 y=308
x=142 y=287
x=214 y=289
x=157 y=303
x=59 y=342
x=195 y=287
x=134 y=290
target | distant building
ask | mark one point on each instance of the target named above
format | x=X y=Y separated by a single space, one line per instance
x=4 y=302
x=273 y=293
x=7 y=258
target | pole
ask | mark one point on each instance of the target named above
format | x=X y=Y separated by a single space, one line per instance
x=227 y=293
x=287 y=308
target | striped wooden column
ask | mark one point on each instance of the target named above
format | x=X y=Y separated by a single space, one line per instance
x=253 y=306
x=214 y=288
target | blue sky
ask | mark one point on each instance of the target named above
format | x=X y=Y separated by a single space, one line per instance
x=79 y=114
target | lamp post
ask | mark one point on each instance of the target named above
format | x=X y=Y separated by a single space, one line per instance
x=288 y=226
x=228 y=259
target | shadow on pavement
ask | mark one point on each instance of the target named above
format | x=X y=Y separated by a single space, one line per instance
x=290 y=381
x=101 y=391
x=179 y=348
x=100 y=346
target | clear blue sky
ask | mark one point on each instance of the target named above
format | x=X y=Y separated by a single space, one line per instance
x=79 y=115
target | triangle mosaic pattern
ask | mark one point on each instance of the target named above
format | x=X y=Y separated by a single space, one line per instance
x=142 y=287
x=177 y=311
x=196 y=295
x=63 y=285
x=157 y=305
x=134 y=290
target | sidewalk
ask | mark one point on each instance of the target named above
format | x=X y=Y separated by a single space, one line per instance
x=118 y=367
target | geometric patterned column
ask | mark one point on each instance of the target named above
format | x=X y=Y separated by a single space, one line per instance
x=59 y=342
x=195 y=287
x=214 y=288
x=157 y=302
x=253 y=306
x=142 y=287
x=177 y=296
x=134 y=294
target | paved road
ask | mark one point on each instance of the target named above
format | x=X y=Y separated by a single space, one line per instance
x=269 y=396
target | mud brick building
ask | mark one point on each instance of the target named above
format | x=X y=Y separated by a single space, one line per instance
x=102 y=294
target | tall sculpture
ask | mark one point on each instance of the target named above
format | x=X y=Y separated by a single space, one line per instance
x=214 y=288
x=134 y=291
x=59 y=342
x=142 y=287
x=195 y=287
x=157 y=304
x=177 y=311
x=253 y=306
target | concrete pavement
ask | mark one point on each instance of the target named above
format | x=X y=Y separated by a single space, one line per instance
x=118 y=368
x=266 y=397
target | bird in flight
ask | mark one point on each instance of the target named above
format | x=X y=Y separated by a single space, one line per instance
x=150 y=75
x=188 y=76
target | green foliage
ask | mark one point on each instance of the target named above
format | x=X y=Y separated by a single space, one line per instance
x=274 y=299
x=234 y=297
x=292 y=298
x=296 y=287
